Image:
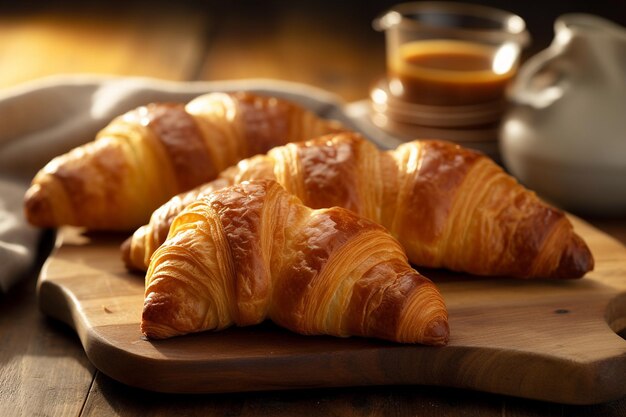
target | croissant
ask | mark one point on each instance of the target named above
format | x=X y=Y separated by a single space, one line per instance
x=152 y=153
x=252 y=252
x=450 y=207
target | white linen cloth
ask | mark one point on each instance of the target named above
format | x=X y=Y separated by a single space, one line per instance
x=48 y=117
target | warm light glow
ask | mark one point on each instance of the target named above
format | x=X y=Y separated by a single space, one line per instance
x=515 y=129
x=396 y=87
x=546 y=97
x=379 y=96
x=391 y=19
x=505 y=58
x=216 y=104
x=563 y=36
x=516 y=24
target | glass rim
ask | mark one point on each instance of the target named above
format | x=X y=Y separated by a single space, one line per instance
x=511 y=25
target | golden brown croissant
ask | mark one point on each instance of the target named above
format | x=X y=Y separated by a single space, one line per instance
x=252 y=251
x=152 y=153
x=448 y=206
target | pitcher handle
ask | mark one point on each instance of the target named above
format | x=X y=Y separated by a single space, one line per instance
x=530 y=89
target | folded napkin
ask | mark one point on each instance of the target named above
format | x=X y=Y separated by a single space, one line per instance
x=48 y=117
x=18 y=241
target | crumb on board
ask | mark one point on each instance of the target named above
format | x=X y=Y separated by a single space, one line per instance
x=107 y=309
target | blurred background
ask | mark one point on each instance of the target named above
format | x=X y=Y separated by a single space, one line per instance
x=329 y=44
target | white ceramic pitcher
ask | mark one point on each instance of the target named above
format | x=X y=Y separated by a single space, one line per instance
x=565 y=134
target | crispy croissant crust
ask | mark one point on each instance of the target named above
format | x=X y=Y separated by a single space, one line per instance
x=448 y=206
x=252 y=251
x=152 y=153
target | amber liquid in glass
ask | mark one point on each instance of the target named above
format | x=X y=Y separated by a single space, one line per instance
x=444 y=73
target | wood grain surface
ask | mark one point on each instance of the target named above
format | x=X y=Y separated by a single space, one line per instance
x=546 y=340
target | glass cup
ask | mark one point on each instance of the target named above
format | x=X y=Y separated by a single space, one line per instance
x=450 y=54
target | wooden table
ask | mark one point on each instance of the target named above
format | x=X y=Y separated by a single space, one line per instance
x=43 y=369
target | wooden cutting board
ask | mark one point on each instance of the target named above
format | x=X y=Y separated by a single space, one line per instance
x=547 y=340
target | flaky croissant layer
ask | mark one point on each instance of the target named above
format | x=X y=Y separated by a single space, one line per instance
x=252 y=252
x=154 y=152
x=448 y=206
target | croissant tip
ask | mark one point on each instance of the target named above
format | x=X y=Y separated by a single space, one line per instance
x=37 y=207
x=576 y=260
x=437 y=333
x=153 y=331
x=157 y=316
x=125 y=249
